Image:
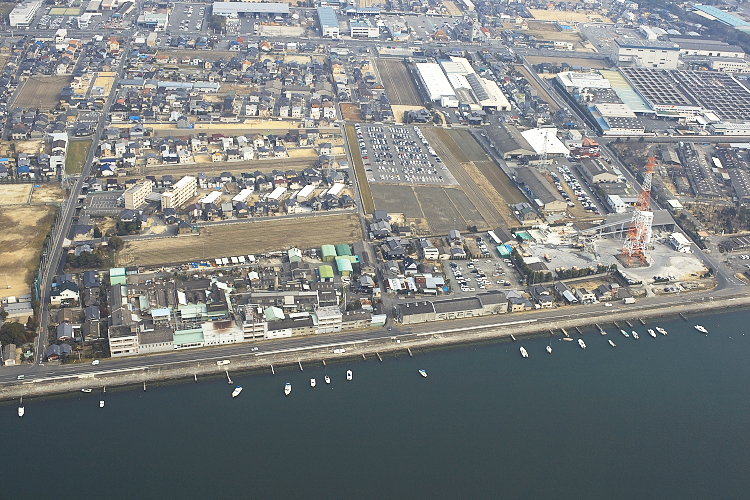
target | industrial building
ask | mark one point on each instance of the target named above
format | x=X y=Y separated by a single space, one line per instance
x=436 y=85
x=494 y=302
x=539 y=190
x=180 y=193
x=363 y=28
x=328 y=22
x=237 y=9
x=135 y=196
x=23 y=13
x=647 y=53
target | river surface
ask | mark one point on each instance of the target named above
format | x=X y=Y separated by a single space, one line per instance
x=652 y=418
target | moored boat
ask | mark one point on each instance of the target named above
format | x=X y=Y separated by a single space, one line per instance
x=101 y=403
x=581 y=344
x=236 y=392
x=423 y=373
x=524 y=353
x=86 y=390
x=701 y=328
x=625 y=334
x=661 y=330
x=549 y=349
x=287 y=389
x=612 y=343
x=327 y=379
x=635 y=335
x=348 y=374
x=313 y=383
x=21 y=409
x=652 y=333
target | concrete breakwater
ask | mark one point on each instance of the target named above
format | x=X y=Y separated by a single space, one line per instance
x=447 y=333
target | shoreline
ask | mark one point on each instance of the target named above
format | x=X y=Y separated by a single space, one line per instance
x=452 y=334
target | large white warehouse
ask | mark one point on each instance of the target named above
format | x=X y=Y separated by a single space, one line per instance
x=436 y=84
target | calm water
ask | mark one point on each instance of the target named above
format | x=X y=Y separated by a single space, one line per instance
x=653 y=418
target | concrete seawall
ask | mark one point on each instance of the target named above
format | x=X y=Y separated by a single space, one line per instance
x=450 y=333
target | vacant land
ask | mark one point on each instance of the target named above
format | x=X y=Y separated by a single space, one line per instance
x=569 y=16
x=250 y=237
x=22 y=233
x=42 y=91
x=398 y=82
x=76 y=157
x=350 y=112
x=368 y=204
x=235 y=167
x=14 y=194
x=452 y=8
x=573 y=61
x=47 y=193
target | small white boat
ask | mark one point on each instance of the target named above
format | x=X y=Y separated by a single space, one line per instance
x=549 y=349
x=625 y=334
x=524 y=353
x=701 y=328
x=236 y=392
x=582 y=344
x=348 y=374
x=21 y=409
x=327 y=379
x=661 y=330
x=312 y=382
x=635 y=335
x=612 y=343
x=512 y=337
x=423 y=373
x=86 y=390
x=101 y=403
x=287 y=389
x=652 y=333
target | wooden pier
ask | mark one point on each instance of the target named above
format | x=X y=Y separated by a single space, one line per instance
x=629 y=323
x=229 y=379
x=300 y=365
x=195 y=377
x=579 y=330
x=682 y=315
x=324 y=362
x=379 y=357
x=616 y=324
x=565 y=332
x=409 y=351
x=642 y=322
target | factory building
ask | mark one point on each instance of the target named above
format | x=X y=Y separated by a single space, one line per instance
x=647 y=53
x=436 y=85
x=328 y=22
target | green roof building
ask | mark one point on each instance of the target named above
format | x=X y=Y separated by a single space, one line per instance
x=117 y=276
x=344 y=265
x=295 y=255
x=184 y=339
x=343 y=249
x=325 y=272
x=329 y=253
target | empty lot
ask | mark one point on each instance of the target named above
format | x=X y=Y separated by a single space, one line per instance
x=22 y=233
x=14 y=194
x=399 y=85
x=250 y=237
x=42 y=91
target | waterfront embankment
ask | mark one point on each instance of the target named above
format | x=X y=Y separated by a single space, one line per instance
x=443 y=334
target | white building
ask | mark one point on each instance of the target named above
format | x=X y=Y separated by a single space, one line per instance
x=135 y=196
x=123 y=343
x=436 y=84
x=362 y=28
x=329 y=319
x=328 y=22
x=647 y=54
x=679 y=242
x=23 y=13
x=180 y=193
x=615 y=203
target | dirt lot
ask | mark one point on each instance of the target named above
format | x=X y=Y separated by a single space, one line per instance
x=47 y=193
x=22 y=232
x=399 y=85
x=350 y=112
x=573 y=61
x=236 y=167
x=569 y=16
x=14 y=194
x=244 y=238
x=42 y=91
x=489 y=190
x=452 y=8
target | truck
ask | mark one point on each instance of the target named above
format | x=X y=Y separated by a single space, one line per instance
x=222 y=362
x=628 y=300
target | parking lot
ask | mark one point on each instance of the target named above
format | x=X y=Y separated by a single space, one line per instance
x=400 y=155
x=563 y=176
x=187 y=18
x=103 y=204
x=489 y=272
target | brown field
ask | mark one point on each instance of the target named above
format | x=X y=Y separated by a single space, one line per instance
x=573 y=61
x=244 y=238
x=452 y=8
x=569 y=16
x=22 y=233
x=14 y=194
x=42 y=91
x=236 y=167
x=368 y=203
x=47 y=193
x=350 y=112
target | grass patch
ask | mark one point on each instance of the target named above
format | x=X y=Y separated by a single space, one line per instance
x=78 y=151
x=359 y=167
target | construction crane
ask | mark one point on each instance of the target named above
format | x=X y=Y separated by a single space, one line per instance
x=639 y=235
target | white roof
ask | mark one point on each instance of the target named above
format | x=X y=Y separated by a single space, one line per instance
x=679 y=238
x=458 y=81
x=306 y=191
x=185 y=181
x=276 y=194
x=336 y=189
x=545 y=138
x=614 y=110
x=211 y=197
x=496 y=97
x=435 y=81
x=583 y=80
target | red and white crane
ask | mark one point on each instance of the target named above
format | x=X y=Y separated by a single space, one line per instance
x=639 y=235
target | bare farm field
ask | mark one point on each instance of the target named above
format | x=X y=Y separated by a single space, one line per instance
x=42 y=91
x=22 y=233
x=47 y=193
x=14 y=194
x=227 y=240
x=399 y=84
x=569 y=16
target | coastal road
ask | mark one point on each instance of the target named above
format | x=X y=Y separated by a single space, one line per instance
x=547 y=319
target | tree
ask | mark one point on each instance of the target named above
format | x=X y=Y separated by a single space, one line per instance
x=115 y=243
x=12 y=333
x=97 y=232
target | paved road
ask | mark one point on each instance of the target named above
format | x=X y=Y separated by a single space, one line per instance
x=594 y=313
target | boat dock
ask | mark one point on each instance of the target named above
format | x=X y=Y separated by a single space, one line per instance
x=324 y=362
x=195 y=377
x=273 y=372
x=578 y=329
x=629 y=323
x=682 y=315
x=300 y=365
x=601 y=330
x=408 y=349
x=379 y=357
x=229 y=379
x=642 y=322
x=565 y=332
x=616 y=324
